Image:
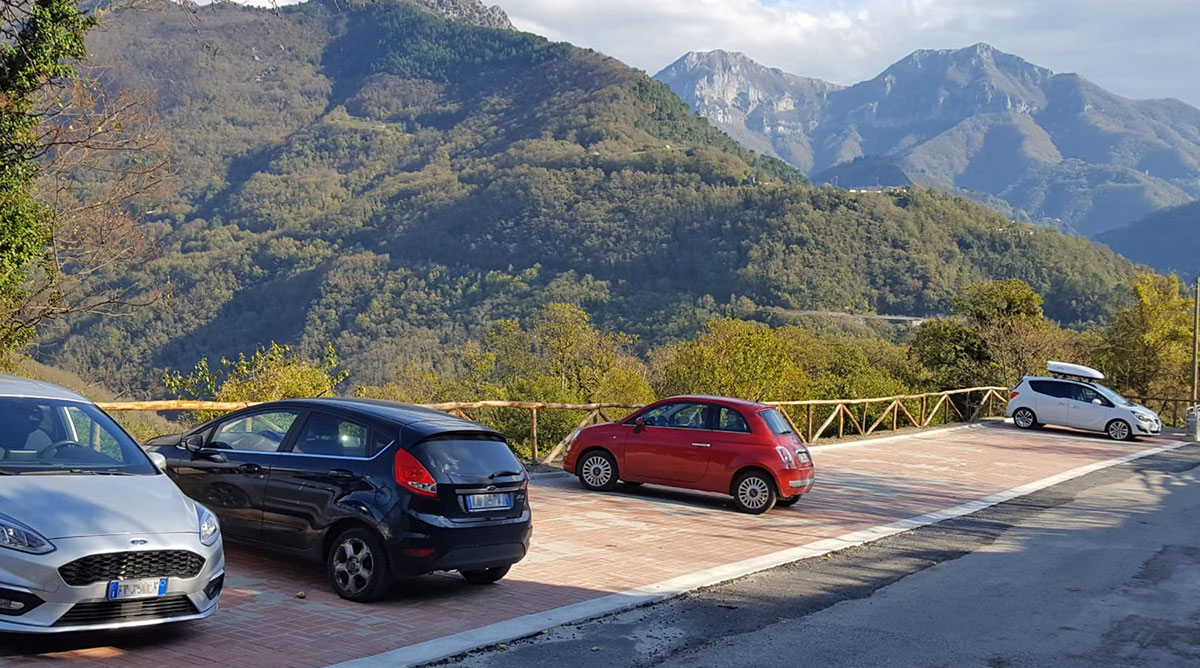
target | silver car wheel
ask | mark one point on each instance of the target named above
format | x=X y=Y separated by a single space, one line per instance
x=1118 y=430
x=597 y=471
x=1023 y=418
x=754 y=492
x=353 y=565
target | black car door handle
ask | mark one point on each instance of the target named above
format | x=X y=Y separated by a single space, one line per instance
x=250 y=468
x=341 y=473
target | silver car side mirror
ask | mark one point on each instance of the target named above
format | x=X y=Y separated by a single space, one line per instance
x=1097 y=402
x=159 y=460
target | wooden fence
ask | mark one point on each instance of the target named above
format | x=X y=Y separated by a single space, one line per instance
x=812 y=420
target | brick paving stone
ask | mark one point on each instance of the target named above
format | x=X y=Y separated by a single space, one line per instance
x=585 y=545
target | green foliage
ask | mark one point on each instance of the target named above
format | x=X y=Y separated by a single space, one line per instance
x=38 y=38
x=1148 y=345
x=271 y=373
x=999 y=336
x=730 y=358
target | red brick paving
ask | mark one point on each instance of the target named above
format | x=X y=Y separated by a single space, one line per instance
x=585 y=546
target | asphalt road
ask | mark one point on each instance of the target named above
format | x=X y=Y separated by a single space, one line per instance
x=1103 y=570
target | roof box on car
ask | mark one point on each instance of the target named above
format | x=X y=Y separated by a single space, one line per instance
x=1073 y=371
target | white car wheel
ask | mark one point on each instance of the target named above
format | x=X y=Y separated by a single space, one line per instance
x=1024 y=418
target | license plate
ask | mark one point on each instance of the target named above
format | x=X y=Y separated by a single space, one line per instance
x=122 y=589
x=501 y=501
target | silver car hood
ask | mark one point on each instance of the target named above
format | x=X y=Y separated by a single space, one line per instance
x=71 y=506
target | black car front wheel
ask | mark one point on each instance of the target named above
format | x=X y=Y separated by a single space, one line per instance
x=485 y=576
x=358 y=566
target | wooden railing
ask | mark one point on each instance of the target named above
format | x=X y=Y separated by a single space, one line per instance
x=810 y=419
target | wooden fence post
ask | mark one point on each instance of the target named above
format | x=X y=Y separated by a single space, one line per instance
x=808 y=425
x=533 y=430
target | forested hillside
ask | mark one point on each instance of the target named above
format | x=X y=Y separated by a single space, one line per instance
x=1167 y=240
x=394 y=182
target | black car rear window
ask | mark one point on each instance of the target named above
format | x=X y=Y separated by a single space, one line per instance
x=466 y=457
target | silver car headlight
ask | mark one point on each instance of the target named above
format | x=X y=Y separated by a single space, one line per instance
x=210 y=528
x=1143 y=417
x=16 y=536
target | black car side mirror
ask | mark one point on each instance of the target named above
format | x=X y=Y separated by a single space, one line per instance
x=193 y=443
x=638 y=425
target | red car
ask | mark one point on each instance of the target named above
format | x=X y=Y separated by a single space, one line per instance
x=713 y=444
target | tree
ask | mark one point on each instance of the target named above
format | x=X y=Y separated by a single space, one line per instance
x=1146 y=349
x=268 y=374
x=65 y=236
x=998 y=335
x=733 y=358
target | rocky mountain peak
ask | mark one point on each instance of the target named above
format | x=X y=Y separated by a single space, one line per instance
x=468 y=11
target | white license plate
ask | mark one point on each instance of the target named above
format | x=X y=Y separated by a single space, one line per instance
x=122 y=589
x=500 y=501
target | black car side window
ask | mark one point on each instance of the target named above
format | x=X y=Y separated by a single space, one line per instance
x=257 y=432
x=329 y=435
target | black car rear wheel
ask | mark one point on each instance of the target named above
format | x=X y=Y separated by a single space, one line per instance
x=485 y=576
x=598 y=471
x=358 y=566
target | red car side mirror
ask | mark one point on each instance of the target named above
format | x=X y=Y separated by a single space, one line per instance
x=638 y=425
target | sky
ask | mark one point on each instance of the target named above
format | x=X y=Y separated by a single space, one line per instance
x=1135 y=48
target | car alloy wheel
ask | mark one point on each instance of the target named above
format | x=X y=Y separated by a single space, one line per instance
x=1119 y=430
x=598 y=471
x=754 y=493
x=358 y=566
x=1023 y=418
x=353 y=565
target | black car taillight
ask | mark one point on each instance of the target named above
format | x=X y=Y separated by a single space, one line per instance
x=412 y=475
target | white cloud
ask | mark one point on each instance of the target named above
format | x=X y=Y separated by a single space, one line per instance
x=1138 y=49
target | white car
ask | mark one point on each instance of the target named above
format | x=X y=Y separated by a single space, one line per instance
x=1072 y=397
x=93 y=534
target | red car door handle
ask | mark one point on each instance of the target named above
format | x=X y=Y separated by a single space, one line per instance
x=701 y=445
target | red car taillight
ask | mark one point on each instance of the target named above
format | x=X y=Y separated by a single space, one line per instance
x=412 y=475
x=1013 y=395
x=789 y=461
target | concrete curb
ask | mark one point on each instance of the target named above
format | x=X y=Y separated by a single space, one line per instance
x=520 y=627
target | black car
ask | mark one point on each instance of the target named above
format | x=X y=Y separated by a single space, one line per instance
x=373 y=489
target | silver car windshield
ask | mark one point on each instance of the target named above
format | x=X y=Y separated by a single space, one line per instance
x=51 y=436
x=1113 y=396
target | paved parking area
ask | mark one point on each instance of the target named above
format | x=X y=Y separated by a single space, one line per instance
x=586 y=546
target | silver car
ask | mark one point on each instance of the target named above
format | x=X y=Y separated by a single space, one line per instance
x=93 y=535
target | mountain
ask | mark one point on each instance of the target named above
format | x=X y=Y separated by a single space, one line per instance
x=1165 y=240
x=1057 y=148
x=468 y=11
x=395 y=182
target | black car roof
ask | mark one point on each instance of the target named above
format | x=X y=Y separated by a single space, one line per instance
x=419 y=421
